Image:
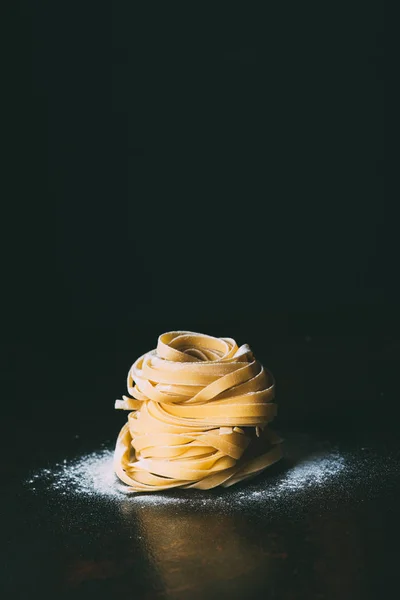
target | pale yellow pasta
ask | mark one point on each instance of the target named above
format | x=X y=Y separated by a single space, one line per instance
x=200 y=408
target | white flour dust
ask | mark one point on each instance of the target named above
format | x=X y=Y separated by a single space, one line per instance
x=311 y=473
x=90 y=475
x=93 y=475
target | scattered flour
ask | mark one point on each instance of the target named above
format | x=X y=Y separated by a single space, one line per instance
x=90 y=475
x=93 y=475
x=314 y=472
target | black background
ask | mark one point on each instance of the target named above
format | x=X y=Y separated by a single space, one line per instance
x=217 y=168
x=214 y=169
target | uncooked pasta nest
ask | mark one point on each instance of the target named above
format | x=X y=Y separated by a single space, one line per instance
x=200 y=408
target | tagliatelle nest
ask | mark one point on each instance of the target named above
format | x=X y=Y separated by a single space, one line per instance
x=200 y=410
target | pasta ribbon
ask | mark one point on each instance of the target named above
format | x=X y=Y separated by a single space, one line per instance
x=200 y=409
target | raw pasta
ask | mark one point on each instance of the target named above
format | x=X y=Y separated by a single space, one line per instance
x=200 y=408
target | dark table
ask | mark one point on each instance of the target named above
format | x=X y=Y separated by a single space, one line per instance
x=322 y=524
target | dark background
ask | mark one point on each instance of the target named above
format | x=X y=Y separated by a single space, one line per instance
x=219 y=170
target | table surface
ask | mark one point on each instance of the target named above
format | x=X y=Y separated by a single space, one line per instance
x=322 y=524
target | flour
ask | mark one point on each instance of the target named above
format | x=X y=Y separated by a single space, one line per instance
x=90 y=475
x=93 y=475
x=310 y=473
